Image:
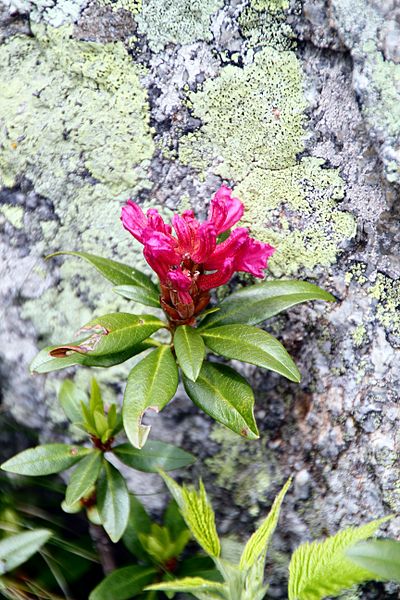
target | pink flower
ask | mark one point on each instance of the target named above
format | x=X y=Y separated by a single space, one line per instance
x=191 y=263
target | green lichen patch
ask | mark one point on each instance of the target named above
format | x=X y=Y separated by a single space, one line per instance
x=69 y=107
x=296 y=210
x=176 y=22
x=252 y=117
x=13 y=214
x=263 y=23
x=133 y=6
x=48 y=11
x=75 y=123
x=253 y=129
x=387 y=292
x=236 y=455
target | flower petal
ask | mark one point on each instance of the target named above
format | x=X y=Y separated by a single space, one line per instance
x=225 y=211
x=133 y=219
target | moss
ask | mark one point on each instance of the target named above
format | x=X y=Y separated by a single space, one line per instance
x=75 y=122
x=177 y=22
x=253 y=129
x=238 y=456
x=13 y=214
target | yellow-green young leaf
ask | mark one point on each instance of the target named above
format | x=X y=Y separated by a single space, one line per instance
x=83 y=478
x=252 y=345
x=151 y=384
x=116 y=272
x=96 y=401
x=101 y=423
x=198 y=514
x=322 y=569
x=256 y=548
x=381 y=557
x=70 y=398
x=123 y=583
x=200 y=588
x=16 y=549
x=226 y=396
x=190 y=350
x=44 y=460
x=256 y=303
x=113 y=501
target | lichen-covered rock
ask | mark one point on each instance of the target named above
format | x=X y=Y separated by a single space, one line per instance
x=161 y=101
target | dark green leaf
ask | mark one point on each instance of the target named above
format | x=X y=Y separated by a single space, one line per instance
x=151 y=384
x=114 y=333
x=113 y=501
x=83 y=478
x=70 y=398
x=44 y=460
x=125 y=338
x=139 y=294
x=226 y=396
x=261 y=301
x=251 y=345
x=16 y=549
x=116 y=272
x=124 y=583
x=139 y=523
x=200 y=566
x=381 y=557
x=190 y=351
x=173 y=519
x=45 y=363
x=153 y=456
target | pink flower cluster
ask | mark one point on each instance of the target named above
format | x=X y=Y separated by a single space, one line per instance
x=192 y=262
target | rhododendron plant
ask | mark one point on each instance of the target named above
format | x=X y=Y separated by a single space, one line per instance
x=190 y=259
x=191 y=263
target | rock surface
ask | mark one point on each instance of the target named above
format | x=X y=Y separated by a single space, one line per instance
x=297 y=108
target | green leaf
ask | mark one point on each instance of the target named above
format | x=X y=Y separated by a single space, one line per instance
x=261 y=301
x=138 y=523
x=155 y=455
x=96 y=401
x=70 y=398
x=200 y=588
x=116 y=272
x=44 y=362
x=226 y=396
x=101 y=423
x=16 y=549
x=190 y=351
x=151 y=384
x=381 y=557
x=252 y=345
x=113 y=501
x=44 y=460
x=197 y=513
x=322 y=569
x=114 y=333
x=139 y=294
x=124 y=583
x=256 y=548
x=83 y=478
